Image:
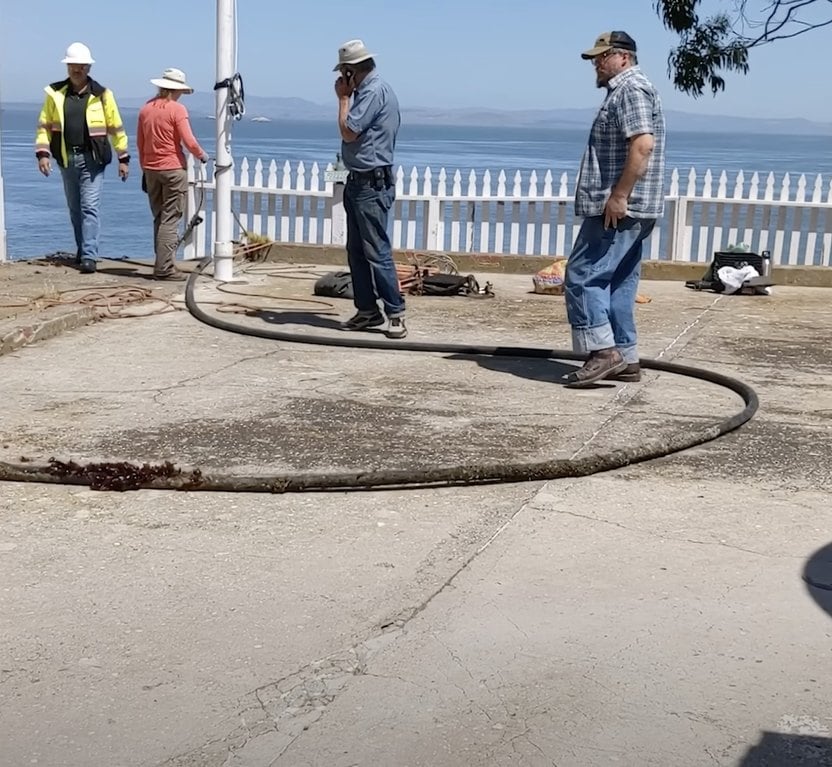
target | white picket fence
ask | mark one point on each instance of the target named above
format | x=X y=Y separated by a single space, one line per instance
x=526 y=215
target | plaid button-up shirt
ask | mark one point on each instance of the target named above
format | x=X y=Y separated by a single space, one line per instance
x=632 y=107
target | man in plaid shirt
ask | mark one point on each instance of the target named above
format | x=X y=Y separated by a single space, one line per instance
x=620 y=195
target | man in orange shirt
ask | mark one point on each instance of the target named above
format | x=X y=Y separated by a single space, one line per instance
x=163 y=127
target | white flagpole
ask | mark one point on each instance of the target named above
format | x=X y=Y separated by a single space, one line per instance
x=223 y=170
x=3 y=253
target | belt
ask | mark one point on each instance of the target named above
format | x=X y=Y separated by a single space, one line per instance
x=383 y=172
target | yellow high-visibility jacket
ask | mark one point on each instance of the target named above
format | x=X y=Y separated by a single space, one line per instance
x=103 y=124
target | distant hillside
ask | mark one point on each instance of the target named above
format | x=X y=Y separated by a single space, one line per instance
x=295 y=109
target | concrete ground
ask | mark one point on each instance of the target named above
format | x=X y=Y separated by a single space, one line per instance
x=656 y=615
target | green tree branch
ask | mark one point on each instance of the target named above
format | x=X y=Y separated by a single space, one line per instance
x=708 y=48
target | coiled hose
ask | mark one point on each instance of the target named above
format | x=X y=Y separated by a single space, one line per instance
x=126 y=476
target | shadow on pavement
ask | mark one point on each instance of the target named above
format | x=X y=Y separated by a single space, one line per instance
x=548 y=371
x=69 y=261
x=533 y=369
x=818 y=576
x=777 y=749
x=298 y=318
x=122 y=272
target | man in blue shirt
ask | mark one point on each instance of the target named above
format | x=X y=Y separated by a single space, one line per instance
x=369 y=120
x=619 y=196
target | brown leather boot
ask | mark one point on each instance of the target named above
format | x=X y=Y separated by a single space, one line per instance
x=601 y=364
x=630 y=374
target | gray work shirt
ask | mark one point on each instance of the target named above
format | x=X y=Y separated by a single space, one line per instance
x=374 y=116
x=75 y=118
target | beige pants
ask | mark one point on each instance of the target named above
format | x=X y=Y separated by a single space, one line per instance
x=166 y=190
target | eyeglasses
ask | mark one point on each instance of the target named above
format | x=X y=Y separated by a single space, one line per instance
x=604 y=56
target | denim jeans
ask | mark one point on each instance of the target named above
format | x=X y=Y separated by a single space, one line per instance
x=83 y=179
x=369 y=253
x=602 y=276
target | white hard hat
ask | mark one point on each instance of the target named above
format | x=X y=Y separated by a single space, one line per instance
x=78 y=53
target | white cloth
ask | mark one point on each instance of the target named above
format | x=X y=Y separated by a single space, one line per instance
x=733 y=279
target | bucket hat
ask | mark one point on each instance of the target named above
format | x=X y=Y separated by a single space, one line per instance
x=173 y=80
x=352 y=52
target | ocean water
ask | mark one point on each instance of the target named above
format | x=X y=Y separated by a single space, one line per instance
x=37 y=221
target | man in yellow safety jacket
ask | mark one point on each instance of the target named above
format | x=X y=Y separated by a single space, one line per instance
x=78 y=121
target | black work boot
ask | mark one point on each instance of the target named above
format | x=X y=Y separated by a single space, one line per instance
x=363 y=321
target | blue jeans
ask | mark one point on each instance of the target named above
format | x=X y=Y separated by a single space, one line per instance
x=602 y=276
x=83 y=180
x=369 y=253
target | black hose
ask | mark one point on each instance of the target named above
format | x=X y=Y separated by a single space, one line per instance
x=168 y=477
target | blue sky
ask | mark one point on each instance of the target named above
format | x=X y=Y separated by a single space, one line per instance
x=519 y=54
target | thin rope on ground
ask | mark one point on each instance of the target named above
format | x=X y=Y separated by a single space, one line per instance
x=111 y=302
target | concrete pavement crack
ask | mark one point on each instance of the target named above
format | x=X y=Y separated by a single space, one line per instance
x=283 y=750
x=594 y=681
x=735 y=586
x=263 y=707
x=659 y=536
x=456 y=659
x=202 y=376
x=396 y=678
x=524 y=735
x=625 y=394
x=339 y=667
x=699 y=317
x=502 y=613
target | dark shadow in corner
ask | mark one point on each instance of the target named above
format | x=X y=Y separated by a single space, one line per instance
x=60 y=258
x=69 y=261
x=777 y=749
x=817 y=574
x=119 y=271
x=301 y=318
x=533 y=369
